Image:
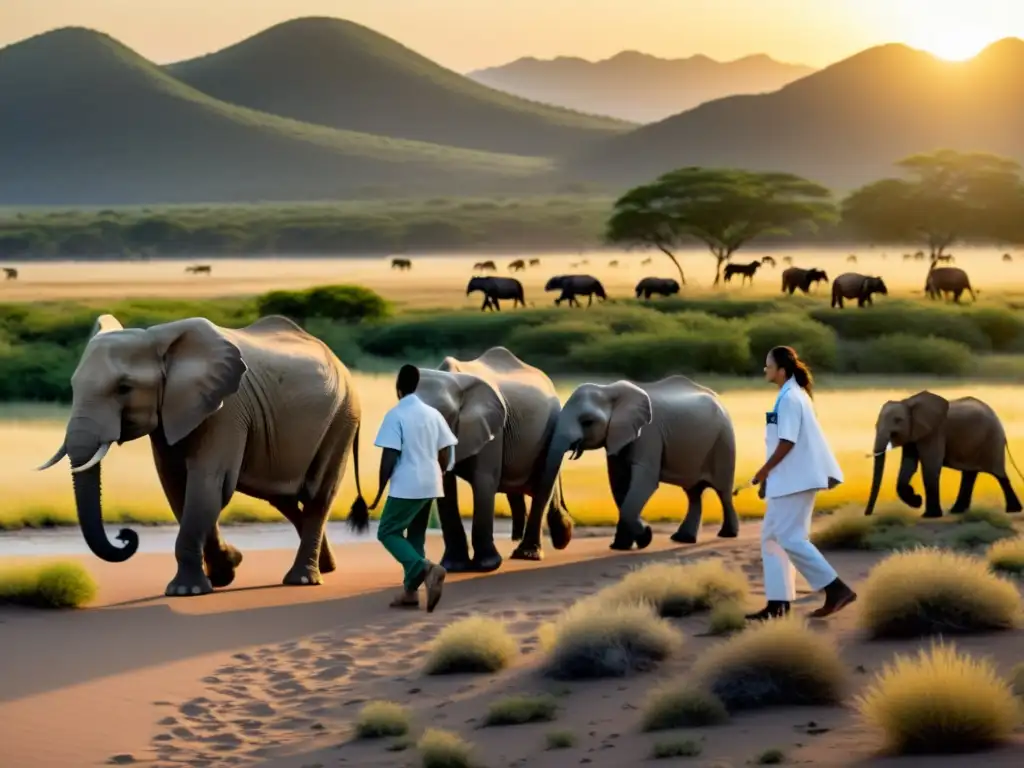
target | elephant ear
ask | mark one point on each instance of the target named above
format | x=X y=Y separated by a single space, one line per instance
x=482 y=413
x=105 y=324
x=201 y=368
x=927 y=413
x=631 y=412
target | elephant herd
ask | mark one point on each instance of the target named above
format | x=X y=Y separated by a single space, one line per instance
x=270 y=412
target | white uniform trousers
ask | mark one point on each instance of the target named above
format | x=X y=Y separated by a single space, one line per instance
x=786 y=547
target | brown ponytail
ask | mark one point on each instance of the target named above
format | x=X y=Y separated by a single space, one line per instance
x=795 y=368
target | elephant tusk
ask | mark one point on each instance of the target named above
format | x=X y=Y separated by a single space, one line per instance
x=96 y=459
x=887 y=448
x=58 y=456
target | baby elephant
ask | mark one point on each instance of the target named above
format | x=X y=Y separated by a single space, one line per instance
x=852 y=285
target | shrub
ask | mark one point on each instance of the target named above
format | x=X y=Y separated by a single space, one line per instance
x=593 y=640
x=1003 y=327
x=682 y=706
x=970 y=535
x=466 y=333
x=852 y=529
x=928 y=590
x=444 y=749
x=560 y=739
x=815 y=342
x=771 y=757
x=914 y=319
x=904 y=353
x=378 y=719
x=1007 y=556
x=518 y=710
x=554 y=340
x=675 y=748
x=778 y=663
x=476 y=644
x=727 y=618
x=348 y=303
x=940 y=702
x=53 y=585
x=994 y=517
x=719 y=307
x=678 y=589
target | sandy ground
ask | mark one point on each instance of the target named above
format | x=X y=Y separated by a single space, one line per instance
x=440 y=280
x=273 y=676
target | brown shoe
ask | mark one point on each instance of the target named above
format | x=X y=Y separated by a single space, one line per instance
x=434 y=582
x=837 y=597
x=406 y=600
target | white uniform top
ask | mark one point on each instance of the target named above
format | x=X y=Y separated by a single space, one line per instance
x=419 y=432
x=810 y=464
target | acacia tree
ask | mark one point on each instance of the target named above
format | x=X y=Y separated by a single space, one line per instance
x=723 y=208
x=948 y=196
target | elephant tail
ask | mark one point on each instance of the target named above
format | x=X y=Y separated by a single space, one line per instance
x=1014 y=463
x=359 y=513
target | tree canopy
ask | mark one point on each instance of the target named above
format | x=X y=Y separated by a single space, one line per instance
x=723 y=208
x=948 y=196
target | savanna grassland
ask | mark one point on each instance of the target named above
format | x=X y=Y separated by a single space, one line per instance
x=899 y=346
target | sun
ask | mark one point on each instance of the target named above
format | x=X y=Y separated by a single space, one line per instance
x=950 y=38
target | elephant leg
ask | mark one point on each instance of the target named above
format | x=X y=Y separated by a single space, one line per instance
x=619 y=474
x=930 y=470
x=220 y=558
x=456 y=545
x=963 y=498
x=908 y=466
x=517 y=505
x=485 y=488
x=642 y=485
x=688 y=529
x=289 y=507
x=204 y=500
x=1012 y=502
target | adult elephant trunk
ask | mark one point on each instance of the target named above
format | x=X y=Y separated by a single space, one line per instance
x=876 y=481
x=559 y=524
x=86 y=453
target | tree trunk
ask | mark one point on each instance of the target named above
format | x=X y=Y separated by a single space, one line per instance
x=719 y=261
x=682 y=278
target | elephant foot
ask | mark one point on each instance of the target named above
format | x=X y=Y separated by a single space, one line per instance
x=932 y=513
x=622 y=542
x=327 y=563
x=1014 y=509
x=728 y=533
x=456 y=564
x=643 y=541
x=186 y=584
x=683 y=537
x=220 y=568
x=486 y=563
x=957 y=509
x=302 y=576
x=528 y=552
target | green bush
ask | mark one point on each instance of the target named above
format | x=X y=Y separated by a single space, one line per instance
x=554 y=342
x=904 y=353
x=53 y=585
x=37 y=372
x=719 y=307
x=911 y=318
x=348 y=303
x=815 y=343
x=1003 y=327
x=464 y=334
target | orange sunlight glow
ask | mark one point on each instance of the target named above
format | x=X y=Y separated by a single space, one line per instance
x=951 y=38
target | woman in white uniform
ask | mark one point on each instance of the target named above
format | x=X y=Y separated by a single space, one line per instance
x=800 y=463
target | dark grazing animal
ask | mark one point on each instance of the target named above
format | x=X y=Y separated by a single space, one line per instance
x=11 y=273
x=401 y=264
x=947 y=280
x=853 y=285
x=945 y=257
x=798 y=277
x=199 y=268
x=1007 y=257
x=485 y=266
x=495 y=288
x=768 y=261
x=534 y=262
x=746 y=271
x=517 y=266
x=572 y=286
x=663 y=286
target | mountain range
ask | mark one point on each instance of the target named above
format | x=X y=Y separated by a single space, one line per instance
x=637 y=86
x=321 y=109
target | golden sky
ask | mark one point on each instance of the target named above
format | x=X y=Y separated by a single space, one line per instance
x=466 y=34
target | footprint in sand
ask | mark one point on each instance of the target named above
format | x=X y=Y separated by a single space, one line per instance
x=332 y=672
x=259 y=709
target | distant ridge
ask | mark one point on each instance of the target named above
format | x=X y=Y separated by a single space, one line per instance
x=340 y=74
x=843 y=126
x=637 y=86
x=88 y=121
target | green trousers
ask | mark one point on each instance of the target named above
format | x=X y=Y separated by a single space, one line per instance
x=403 y=532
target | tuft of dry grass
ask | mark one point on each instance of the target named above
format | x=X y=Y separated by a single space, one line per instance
x=473 y=645
x=770 y=757
x=997 y=518
x=727 y=618
x=594 y=640
x=560 y=739
x=939 y=702
x=776 y=663
x=851 y=529
x=379 y=719
x=682 y=706
x=670 y=748
x=678 y=589
x=968 y=536
x=49 y=585
x=519 y=710
x=928 y=590
x=1007 y=556
x=1017 y=680
x=444 y=749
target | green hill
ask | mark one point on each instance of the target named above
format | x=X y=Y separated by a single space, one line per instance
x=88 y=121
x=340 y=74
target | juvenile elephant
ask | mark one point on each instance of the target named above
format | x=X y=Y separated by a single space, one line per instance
x=943 y=280
x=670 y=431
x=663 y=286
x=798 y=277
x=853 y=285
x=266 y=410
x=572 y=286
x=496 y=288
x=963 y=434
x=503 y=412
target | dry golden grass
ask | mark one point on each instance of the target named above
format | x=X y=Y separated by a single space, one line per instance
x=379 y=719
x=47 y=585
x=727 y=618
x=850 y=528
x=940 y=702
x=681 y=706
x=476 y=644
x=1007 y=556
x=30 y=435
x=678 y=589
x=519 y=710
x=928 y=591
x=444 y=749
x=776 y=663
x=594 y=640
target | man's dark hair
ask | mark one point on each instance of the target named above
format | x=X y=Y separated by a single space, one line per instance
x=408 y=380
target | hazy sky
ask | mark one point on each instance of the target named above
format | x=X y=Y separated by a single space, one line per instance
x=465 y=34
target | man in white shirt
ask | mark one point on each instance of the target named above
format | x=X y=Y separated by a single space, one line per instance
x=416 y=443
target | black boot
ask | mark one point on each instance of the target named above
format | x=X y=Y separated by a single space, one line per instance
x=837 y=597
x=774 y=610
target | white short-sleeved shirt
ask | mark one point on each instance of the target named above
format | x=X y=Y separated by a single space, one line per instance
x=419 y=432
x=810 y=465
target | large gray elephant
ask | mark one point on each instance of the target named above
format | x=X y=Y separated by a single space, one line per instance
x=964 y=434
x=503 y=413
x=266 y=410
x=670 y=431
